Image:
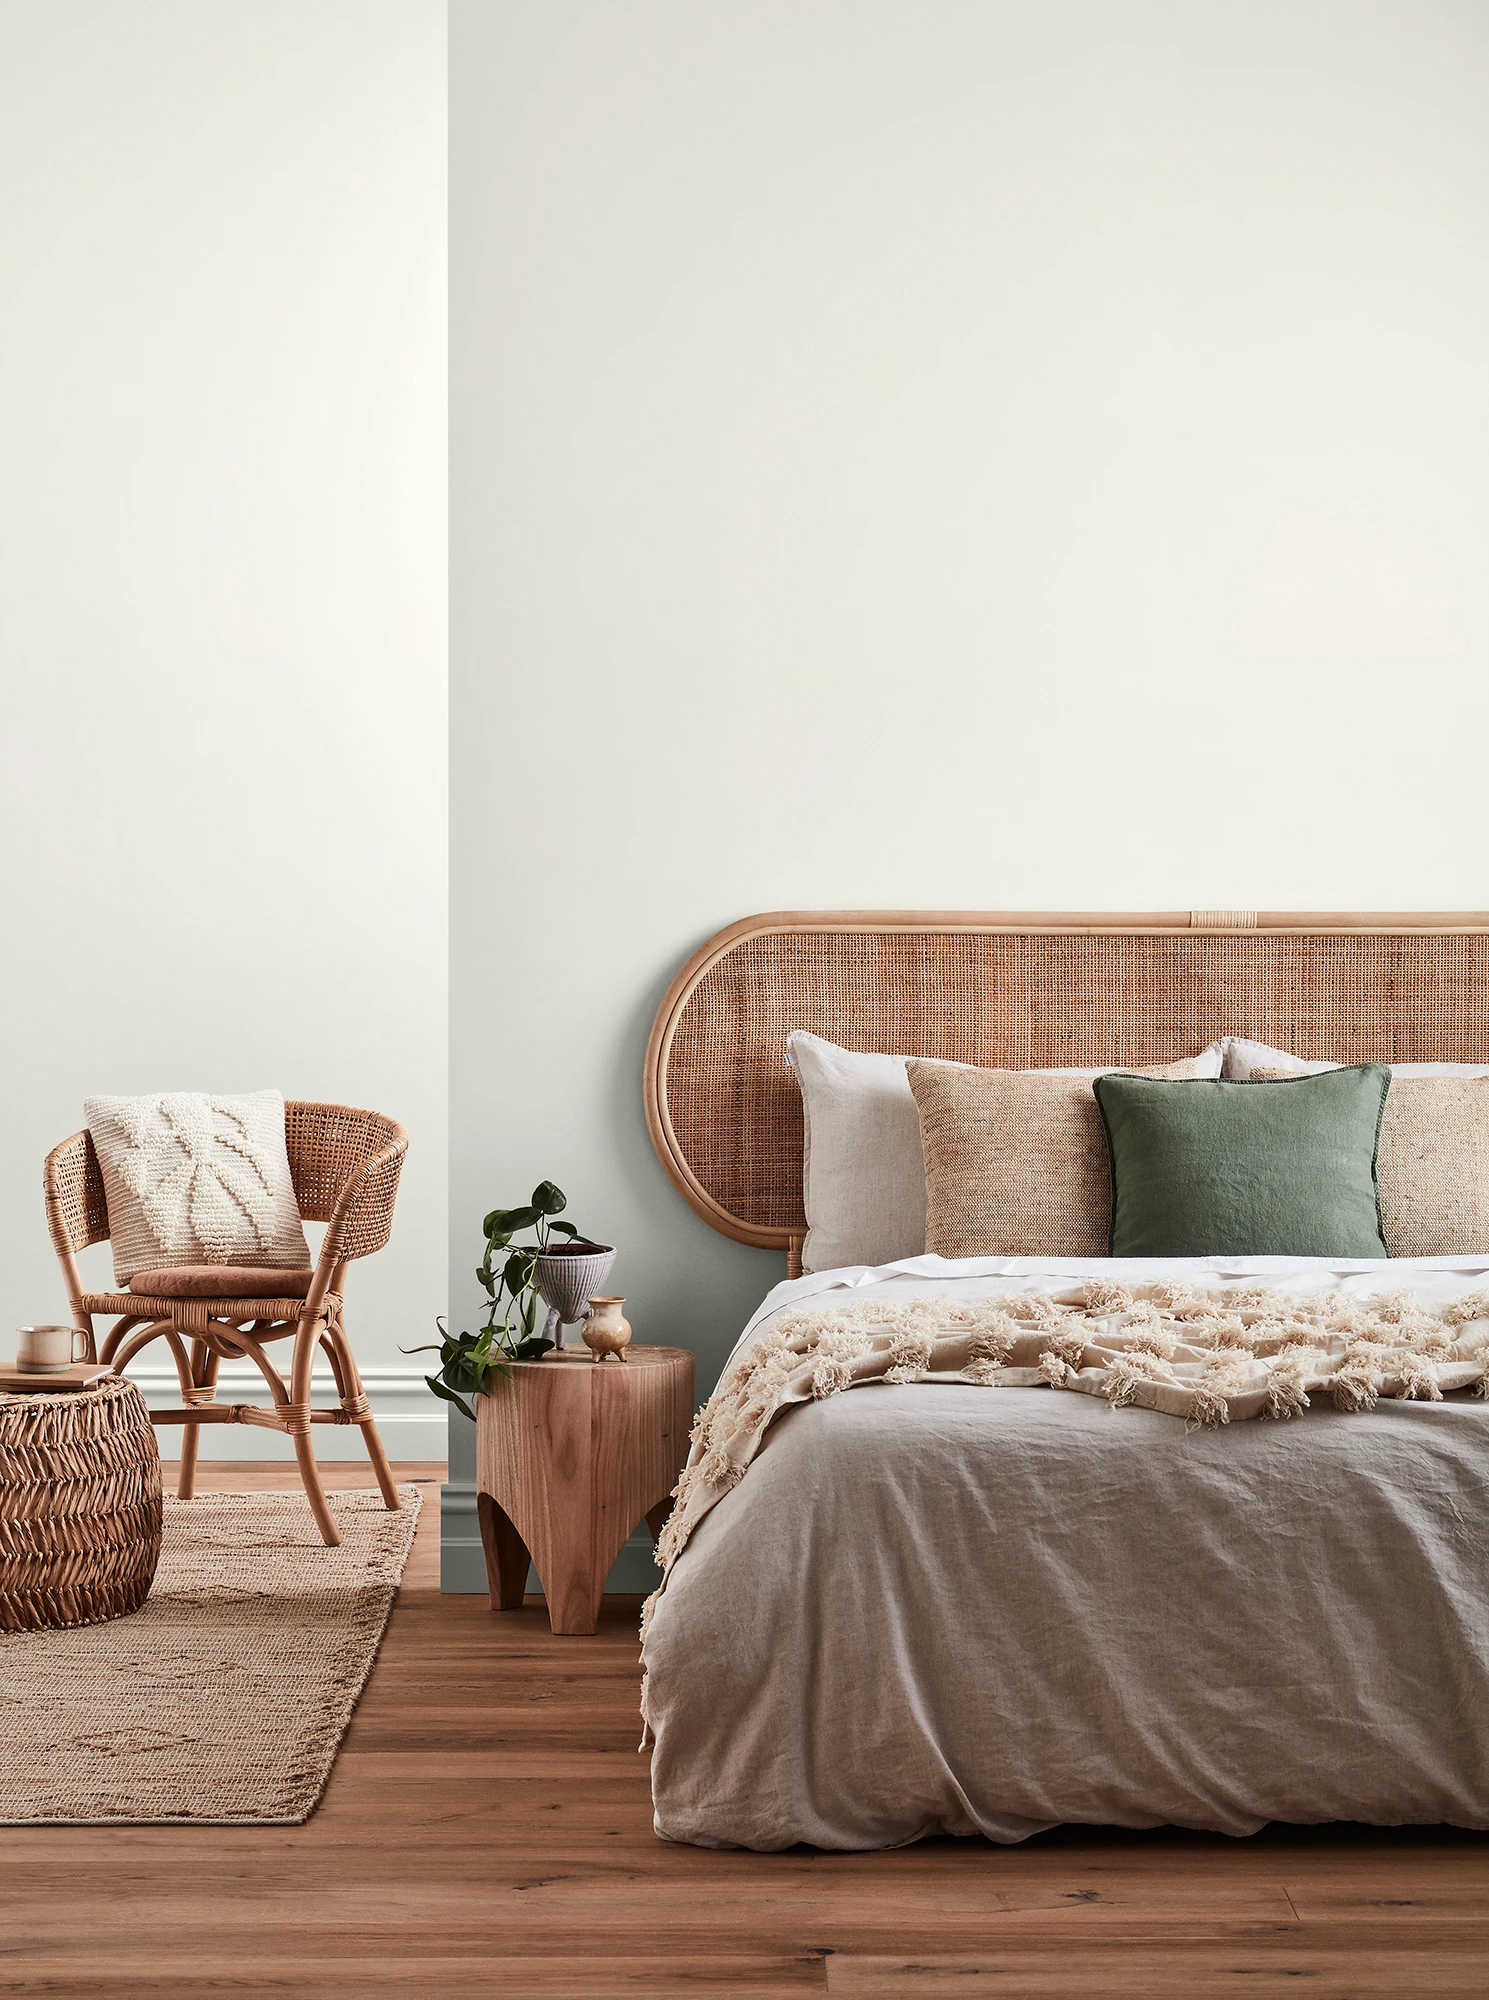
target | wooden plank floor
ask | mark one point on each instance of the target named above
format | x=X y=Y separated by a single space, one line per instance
x=487 y=1831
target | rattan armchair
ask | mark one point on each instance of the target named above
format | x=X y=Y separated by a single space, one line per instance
x=345 y=1166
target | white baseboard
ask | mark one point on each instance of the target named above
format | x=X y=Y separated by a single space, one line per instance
x=411 y=1421
x=462 y=1567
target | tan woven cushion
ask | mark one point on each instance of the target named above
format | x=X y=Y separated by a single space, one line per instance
x=1015 y=1161
x=1433 y=1163
x=220 y=1281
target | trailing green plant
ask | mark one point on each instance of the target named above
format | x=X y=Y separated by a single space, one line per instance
x=467 y=1360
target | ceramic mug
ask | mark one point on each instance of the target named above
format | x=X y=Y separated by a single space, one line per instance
x=41 y=1349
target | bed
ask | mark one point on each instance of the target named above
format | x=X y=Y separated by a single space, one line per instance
x=929 y=1609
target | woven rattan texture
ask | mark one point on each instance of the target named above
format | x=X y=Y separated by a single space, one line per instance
x=80 y=1507
x=344 y=1165
x=1033 y=999
x=77 y=1208
x=329 y=1147
x=140 y=1305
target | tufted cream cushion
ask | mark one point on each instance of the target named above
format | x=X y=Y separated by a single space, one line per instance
x=1015 y=1160
x=197 y=1179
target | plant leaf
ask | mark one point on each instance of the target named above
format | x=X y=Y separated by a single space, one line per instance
x=548 y=1199
x=529 y=1350
x=518 y=1270
x=505 y=1222
x=449 y=1396
x=562 y=1229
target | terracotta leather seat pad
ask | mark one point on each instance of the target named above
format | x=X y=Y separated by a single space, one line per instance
x=220 y=1281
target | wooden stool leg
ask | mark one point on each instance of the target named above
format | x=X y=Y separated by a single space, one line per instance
x=506 y=1555
x=573 y=1580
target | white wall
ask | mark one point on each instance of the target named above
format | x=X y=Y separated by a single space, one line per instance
x=222 y=585
x=914 y=453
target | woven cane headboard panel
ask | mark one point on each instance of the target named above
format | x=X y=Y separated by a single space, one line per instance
x=1024 y=991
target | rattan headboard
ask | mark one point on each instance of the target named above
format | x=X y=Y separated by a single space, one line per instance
x=1024 y=990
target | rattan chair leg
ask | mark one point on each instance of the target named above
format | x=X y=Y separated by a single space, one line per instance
x=119 y=1332
x=186 y=1476
x=298 y=1418
x=380 y=1464
x=315 y=1493
x=328 y=1347
x=349 y=1387
x=204 y=1366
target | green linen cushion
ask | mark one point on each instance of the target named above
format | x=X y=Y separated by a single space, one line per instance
x=1233 y=1169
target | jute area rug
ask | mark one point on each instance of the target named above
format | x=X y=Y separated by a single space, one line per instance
x=225 y=1698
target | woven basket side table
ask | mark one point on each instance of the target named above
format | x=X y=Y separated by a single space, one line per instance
x=80 y=1510
x=571 y=1453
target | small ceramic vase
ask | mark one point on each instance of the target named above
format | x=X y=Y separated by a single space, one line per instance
x=565 y=1278
x=606 y=1331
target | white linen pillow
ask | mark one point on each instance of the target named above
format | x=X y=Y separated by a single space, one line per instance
x=1241 y=1057
x=863 y=1167
x=197 y=1179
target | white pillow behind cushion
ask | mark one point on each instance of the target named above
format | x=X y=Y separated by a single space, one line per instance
x=197 y=1179
x=1242 y=1057
x=863 y=1167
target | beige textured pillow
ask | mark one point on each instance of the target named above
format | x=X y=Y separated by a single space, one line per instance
x=1015 y=1161
x=1433 y=1164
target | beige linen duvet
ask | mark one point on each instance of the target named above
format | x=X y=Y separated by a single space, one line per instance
x=941 y=1606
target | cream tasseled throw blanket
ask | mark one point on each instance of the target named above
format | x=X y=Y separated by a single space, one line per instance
x=1205 y=1357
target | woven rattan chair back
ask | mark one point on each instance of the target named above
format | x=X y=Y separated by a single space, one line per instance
x=77 y=1208
x=328 y=1145
x=345 y=1164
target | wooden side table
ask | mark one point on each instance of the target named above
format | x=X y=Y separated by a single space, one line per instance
x=570 y=1454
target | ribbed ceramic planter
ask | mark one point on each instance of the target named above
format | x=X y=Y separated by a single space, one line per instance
x=566 y=1279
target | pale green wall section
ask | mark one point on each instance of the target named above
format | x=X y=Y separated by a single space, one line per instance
x=946 y=453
